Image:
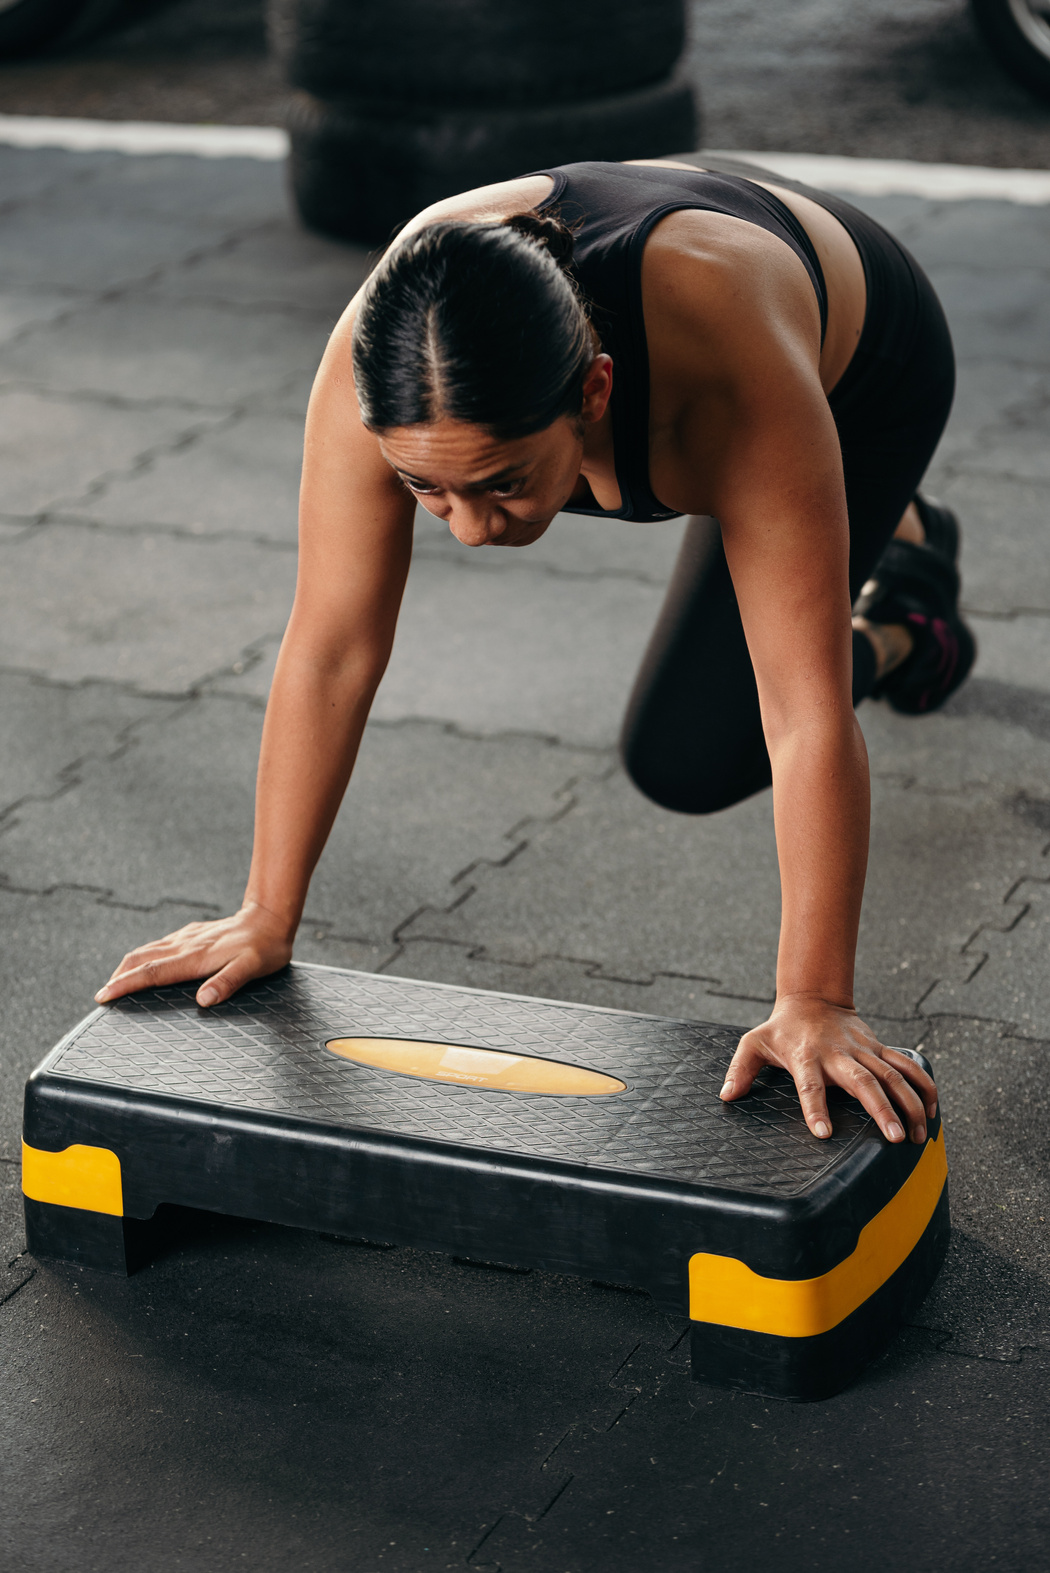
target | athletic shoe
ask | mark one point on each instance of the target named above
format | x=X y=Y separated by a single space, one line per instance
x=918 y=587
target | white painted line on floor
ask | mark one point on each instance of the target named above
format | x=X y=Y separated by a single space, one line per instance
x=880 y=177
x=143 y=136
x=873 y=177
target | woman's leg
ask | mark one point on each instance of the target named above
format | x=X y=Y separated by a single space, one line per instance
x=692 y=735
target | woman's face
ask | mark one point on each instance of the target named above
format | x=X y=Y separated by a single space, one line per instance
x=493 y=492
x=489 y=491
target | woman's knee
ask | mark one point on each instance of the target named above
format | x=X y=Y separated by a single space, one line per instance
x=687 y=785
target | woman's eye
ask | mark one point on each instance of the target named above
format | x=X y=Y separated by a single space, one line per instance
x=505 y=491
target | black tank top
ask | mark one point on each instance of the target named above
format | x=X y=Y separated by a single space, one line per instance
x=612 y=208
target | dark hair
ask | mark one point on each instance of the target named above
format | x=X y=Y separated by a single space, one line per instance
x=477 y=323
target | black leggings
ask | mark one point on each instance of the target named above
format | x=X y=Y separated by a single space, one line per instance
x=692 y=737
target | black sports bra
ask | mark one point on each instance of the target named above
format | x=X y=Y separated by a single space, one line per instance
x=612 y=209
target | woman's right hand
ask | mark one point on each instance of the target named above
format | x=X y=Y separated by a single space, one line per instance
x=226 y=953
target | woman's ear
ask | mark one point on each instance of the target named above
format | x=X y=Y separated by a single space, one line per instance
x=597 y=389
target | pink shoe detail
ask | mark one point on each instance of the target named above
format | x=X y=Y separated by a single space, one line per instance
x=948 y=658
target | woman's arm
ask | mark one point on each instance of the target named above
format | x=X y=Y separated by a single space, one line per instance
x=760 y=432
x=355 y=542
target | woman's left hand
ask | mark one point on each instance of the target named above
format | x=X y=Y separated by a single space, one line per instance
x=825 y=1045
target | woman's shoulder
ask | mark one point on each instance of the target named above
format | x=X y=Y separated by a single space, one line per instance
x=493 y=202
x=726 y=305
x=713 y=272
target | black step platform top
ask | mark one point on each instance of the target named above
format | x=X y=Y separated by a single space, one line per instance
x=265 y=1051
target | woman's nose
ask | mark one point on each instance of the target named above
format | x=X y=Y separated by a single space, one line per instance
x=474 y=526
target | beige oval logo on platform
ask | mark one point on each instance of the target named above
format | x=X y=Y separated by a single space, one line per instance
x=490 y=1068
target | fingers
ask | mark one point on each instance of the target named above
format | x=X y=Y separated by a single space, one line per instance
x=743 y=1068
x=219 y=987
x=156 y=971
x=868 y=1092
x=174 y=959
x=899 y=1090
x=142 y=963
x=921 y=1080
x=750 y=1057
x=812 y=1095
x=226 y=953
x=151 y=973
x=872 y=1082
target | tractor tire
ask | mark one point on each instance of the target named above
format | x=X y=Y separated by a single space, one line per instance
x=29 y=27
x=1018 y=34
x=516 y=52
x=358 y=173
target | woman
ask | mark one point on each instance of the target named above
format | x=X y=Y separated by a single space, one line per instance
x=727 y=347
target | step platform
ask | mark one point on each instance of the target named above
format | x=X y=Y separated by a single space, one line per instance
x=499 y=1128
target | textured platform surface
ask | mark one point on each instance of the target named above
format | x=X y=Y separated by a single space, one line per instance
x=265 y=1051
